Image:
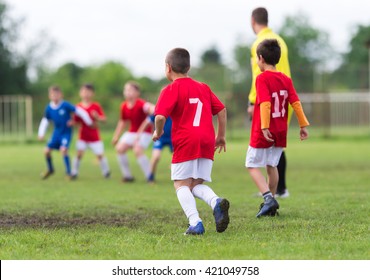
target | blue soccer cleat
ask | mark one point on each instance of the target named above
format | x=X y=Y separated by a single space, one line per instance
x=268 y=208
x=195 y=230
x=221 y=214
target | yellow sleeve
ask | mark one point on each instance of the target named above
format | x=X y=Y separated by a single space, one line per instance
x=298 y=110
x=255 y=71
x=265 y=112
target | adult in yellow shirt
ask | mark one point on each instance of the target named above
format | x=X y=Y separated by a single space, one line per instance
x=259 y=22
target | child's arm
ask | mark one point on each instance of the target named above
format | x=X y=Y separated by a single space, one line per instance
x=42 y=128
x=144 y=125
x=159 y=125
x=302 y=120
x=221 y=131
x=119 y=129
x=84 y=116
x=265 y=112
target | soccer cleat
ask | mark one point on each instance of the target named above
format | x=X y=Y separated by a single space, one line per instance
x=107 y=175
x=195 y=230
x=46 y=174
x=272 y=213
x=268 y=208
x=284 y=194
x=221 y=214
x=72 y=177
x=151 y=179
x=128 y=179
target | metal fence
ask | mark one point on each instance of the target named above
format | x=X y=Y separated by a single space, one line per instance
x=15 y=117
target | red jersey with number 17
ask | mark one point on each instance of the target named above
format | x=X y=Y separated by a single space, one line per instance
x=191 y=105
x=87 y=133
x=276 y=88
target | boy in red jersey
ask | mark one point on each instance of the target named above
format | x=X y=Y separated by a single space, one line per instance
x=269 y=123
x=134 y=111
x=89 y=136
x=191 y=106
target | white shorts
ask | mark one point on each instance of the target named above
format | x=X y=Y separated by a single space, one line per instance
x=262 y=157
x=97 y=146
x=200 y=168
x=130 y=137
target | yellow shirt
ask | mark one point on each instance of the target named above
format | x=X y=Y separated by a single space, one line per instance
x=282 y=66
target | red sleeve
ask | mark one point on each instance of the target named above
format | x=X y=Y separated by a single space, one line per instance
x=292 y=94
x=263 y=93
x=123 y=111
x=99 y=110
x=166 y=102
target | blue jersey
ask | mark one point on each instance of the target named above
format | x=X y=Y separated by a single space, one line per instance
x=165 y=139
x=166 y=129
x=60 y=116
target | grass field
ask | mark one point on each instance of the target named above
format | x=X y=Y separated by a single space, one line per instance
x=326 y=217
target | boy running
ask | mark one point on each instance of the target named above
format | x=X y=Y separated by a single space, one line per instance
x=191 y=106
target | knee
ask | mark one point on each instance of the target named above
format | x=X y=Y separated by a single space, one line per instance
x=138 y=151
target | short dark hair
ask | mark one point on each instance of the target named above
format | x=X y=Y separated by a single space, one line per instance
x=179 y=60
x=134 y=84
x=54 y=88
x=270 y=50
x=89 y=87
x=260 y=16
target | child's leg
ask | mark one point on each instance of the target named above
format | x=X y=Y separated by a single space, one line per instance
x=143 y=160
x=49 y=162
x=187 y=200
x=121 y=149
x=259 y=179
x=104 y=165
x=67 y=164
x=273 y=178
x=97 y=148
x=76 y=162
x=156 y=156
x=204 y=193
x=282 y=171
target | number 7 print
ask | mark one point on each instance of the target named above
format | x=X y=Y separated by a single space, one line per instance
x=198 y=112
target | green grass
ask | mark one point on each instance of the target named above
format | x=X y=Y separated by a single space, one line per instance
x=326 y=217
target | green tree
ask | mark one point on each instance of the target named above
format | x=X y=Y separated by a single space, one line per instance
x=213 y=72
x=309 y=51
x=13 y=66
x=353 y=72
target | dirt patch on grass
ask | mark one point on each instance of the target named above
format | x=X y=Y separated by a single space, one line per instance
x=59 y=220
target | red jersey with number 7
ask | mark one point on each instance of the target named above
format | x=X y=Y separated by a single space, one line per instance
x=276 y=88
x=191 y=105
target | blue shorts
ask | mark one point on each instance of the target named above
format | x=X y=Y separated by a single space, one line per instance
x=161 y=143
x=59 y=140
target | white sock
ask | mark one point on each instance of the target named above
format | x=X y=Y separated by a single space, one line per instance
x=206 y=194
x=144 y=164
x=123 y=164
x=187 y=202
x=104 y=166
x=75 y=166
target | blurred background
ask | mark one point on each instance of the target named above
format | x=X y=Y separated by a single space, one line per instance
x=107 y=43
